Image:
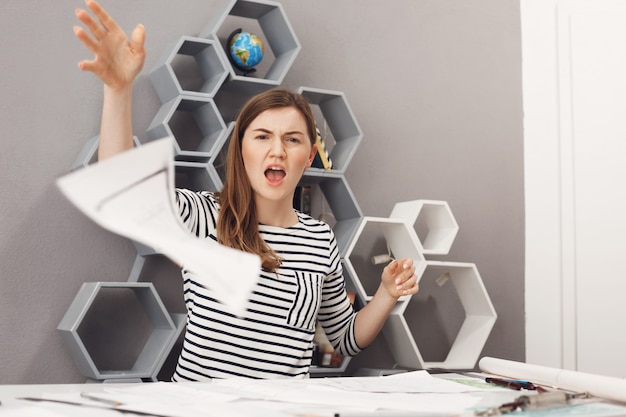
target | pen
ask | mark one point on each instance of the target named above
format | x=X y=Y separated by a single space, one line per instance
x=100 y=399
x=514 y=384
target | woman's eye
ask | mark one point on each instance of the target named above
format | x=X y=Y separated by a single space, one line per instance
x=293 y=140
x=262 y=137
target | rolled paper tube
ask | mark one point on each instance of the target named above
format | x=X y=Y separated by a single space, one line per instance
x=380 y=259
x=610 y=388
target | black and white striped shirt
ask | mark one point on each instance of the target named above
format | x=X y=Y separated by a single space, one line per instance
x=274 y=338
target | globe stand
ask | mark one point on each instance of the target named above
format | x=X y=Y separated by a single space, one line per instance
x=245 y=71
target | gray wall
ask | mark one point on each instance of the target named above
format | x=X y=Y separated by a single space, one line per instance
x=434 y=84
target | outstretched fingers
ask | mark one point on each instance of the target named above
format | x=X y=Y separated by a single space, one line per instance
x=96 y=30
x=405 y=278
x=107 y=23
x=117 y=59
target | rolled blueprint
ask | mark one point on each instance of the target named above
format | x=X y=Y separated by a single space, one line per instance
x=606 y=387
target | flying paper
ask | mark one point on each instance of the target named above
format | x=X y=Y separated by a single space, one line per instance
x=132 y=195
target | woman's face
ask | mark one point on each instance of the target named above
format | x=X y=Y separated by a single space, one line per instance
x=276 y=150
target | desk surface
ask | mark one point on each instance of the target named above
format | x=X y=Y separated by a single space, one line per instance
x=214 y=394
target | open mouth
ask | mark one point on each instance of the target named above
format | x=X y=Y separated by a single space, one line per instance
x=274 y=174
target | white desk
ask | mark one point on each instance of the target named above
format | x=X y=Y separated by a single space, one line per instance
x=13 y=406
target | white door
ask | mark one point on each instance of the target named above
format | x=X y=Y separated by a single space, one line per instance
x=575 y=161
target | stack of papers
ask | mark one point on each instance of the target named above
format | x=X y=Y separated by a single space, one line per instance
x=416 y=393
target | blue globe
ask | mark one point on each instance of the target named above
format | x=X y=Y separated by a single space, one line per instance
x=246 y=50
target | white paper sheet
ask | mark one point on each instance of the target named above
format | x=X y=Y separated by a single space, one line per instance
x=278 y=397
x=403 y=382
x=132 y=194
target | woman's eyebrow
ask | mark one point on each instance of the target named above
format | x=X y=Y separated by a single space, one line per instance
x=264 y=130
x=294 y=132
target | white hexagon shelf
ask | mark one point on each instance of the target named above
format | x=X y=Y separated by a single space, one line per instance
x=478 y=318
x=279 y=39
x=89 y=154
x=77 y=328
x=433 y=221
x=401 y=242
x=338 y=125
x=195 y=124
x=192 y=67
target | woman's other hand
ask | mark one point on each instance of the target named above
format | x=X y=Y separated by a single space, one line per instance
x=399 y=278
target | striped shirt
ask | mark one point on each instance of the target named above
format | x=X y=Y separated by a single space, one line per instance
x=274 y=338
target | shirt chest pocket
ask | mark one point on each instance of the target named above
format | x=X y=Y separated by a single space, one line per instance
x=307 y=299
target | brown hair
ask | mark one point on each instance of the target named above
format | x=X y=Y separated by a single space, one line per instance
x=237 y=223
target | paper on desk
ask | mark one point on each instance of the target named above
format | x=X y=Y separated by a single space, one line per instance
x=329 y=394
x=407 y=382
x=276 y=397
x=132 y=194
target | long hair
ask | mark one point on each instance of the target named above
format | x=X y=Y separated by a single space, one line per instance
x=237 y=223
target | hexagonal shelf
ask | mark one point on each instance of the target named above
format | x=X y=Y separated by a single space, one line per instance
x=180 y=321
x=192 y=67
x=219 y=158
x=475 y=313
x=276 y=32
x=341 y=202
x=400 y=241
x=338 y=125
x=196 y=176
x=89 y=154
x=433 y=221
x=82 y=329
x=195 y=124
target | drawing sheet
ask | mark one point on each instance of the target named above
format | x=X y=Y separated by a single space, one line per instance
x=132 y=195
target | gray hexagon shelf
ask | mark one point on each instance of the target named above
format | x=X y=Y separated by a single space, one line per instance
x=197 y=176
x=180 y=322
x=474 y=310
x=85 y=327
x=337 y=125
x=195 y=124
x=192 y=67
x=434 y=223
x=276 y=32
x=342 y=203
x=400 y=241
x=219 y=158
x=89 y=154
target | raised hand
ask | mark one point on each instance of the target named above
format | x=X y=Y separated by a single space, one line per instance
x=117 y=60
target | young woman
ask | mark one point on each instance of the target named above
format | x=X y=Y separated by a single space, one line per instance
x=301 y=280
